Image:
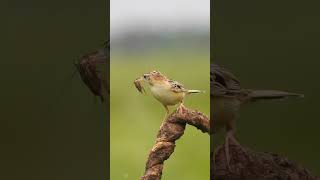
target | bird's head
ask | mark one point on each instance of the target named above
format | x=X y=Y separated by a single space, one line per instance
x=153 y=77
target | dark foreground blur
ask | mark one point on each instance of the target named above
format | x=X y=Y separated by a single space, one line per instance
x=270 y=45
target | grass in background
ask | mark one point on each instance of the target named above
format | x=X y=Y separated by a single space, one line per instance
x=136 y=118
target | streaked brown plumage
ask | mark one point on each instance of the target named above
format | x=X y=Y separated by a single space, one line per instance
x=168 y=92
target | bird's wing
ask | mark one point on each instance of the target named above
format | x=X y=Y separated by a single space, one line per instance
x=224 y=77
x=176 y=86
x=223 y=82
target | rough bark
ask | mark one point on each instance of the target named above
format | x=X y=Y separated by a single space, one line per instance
x=246 y=164
x=170 y=131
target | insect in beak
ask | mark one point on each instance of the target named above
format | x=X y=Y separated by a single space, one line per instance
x=138 y=84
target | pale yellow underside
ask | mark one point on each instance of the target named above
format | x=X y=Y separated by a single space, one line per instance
x=165 y=95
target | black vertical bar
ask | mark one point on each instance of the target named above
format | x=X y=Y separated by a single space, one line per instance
x=108 y=93
x=211 y=88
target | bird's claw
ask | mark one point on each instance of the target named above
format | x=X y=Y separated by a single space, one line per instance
x=181 y=109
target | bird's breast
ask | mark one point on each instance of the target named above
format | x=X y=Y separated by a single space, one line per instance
x=165 y=95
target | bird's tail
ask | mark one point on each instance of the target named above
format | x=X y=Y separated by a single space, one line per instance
x=271 y=94
x=194 y=91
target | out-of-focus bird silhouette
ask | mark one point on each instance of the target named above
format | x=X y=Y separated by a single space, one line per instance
x=226 y=98
x=90 y=74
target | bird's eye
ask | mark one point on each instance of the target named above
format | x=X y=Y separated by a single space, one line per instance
x=145 y=76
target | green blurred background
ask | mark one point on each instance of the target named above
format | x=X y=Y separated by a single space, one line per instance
x=136 y=118
x=274 y=45
x=51 y=127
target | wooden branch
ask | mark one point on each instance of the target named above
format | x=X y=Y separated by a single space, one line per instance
x=170 y=131
x=246 y=164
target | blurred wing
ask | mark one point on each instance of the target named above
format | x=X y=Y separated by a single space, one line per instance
x=90 y=77
x=98 y=56
x=101 y=55
x=223 y=83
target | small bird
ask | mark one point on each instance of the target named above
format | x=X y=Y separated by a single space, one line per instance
x=168 y=92
x=227 y=96
x=89 y=73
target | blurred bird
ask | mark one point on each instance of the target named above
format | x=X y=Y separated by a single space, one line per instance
x=227 y=96
x=87 y=67
x=168 y=92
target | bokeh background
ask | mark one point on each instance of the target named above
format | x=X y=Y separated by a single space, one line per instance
x=274 y=45
x=172 y=37
x=51 y=125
